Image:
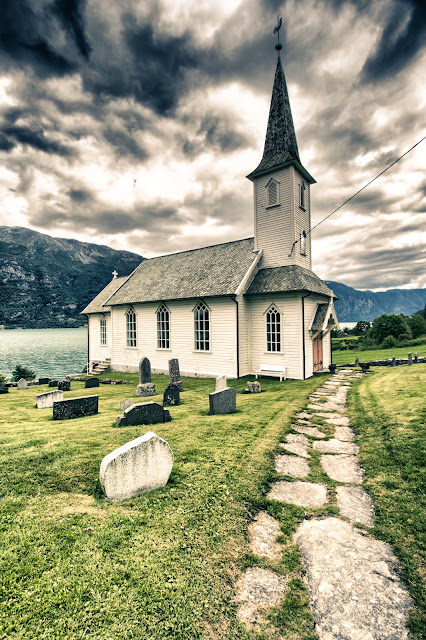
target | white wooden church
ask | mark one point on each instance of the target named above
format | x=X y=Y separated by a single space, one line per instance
x=229 y=308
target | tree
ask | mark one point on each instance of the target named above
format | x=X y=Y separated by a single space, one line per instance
x=388 y=325
x=417 y=324
x=22 y=372
x=361 y=327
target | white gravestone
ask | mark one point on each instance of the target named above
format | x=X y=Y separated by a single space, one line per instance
x=137 y=467
x=22 y=384
x=221 y=383
x=46 y=400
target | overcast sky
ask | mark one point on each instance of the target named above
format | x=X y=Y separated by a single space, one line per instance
x=134 y=123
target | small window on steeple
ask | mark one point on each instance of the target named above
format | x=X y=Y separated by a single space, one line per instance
x=272 y=193
x=302 y=189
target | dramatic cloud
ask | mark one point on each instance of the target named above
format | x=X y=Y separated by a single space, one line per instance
x=134 y=124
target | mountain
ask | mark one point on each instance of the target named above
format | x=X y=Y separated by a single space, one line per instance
x=47 y=282
x=354 y=305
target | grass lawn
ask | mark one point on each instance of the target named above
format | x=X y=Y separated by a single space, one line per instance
x=158 y=566
x=388 y=410
x=347 y=356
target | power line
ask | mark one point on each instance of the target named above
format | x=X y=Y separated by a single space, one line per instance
x=359 y=191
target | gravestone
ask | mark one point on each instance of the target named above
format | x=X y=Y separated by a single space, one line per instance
x=3 y=389
x=221 y=383
x=174 y=374
x=46 y=400
x=410 y=358
x=222 y=402
x=416 y=358
x=22 y=384
x=145 y=387
x=43 y=380
x=144 y=413
x=171 y=395
x=53 y=383
x=127 y=403
x=91 y=382
x=64 y=385
x=75 y=408
x=357 y=362
x=137 y=467
x=253 y=387
x=394 y=361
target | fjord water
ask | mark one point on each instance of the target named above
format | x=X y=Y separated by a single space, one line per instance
x=48 y=352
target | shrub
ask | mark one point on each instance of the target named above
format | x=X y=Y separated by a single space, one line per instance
x=388 y=325
x=22 y=372
x=404 y=337
x=2 y=378
x=417 y=324
x=389 y=342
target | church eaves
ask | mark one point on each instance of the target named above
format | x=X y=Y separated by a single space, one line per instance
x=280 y=142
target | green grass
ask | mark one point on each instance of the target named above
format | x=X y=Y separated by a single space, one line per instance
x=162 y=565
x=345 y=357
x=388 y=409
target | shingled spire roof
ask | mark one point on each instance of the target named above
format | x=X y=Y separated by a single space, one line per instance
x=280 y=142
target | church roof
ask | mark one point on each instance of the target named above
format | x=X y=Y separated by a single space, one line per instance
x=280 y=142
x=285 y=279
x=96 y=306
x=320 y=316
x=207 y=272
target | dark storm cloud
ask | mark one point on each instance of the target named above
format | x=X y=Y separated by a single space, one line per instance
x=32 y=137
x=403 y=36
x=70 y=14
x=214 y=131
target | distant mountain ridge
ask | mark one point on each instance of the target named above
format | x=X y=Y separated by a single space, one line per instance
x=354 y=305
x=46 y=282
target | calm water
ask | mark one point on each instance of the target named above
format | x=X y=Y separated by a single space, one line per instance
x=49 y=352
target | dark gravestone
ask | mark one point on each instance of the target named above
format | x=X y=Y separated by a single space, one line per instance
x=91 y=382
x=75 y=408
x=171 y=395
x=394 y=361
x=144 y=371
x=410 y=358
x=146 y=413
x=43 y=380
x=174 y=373
x=223 y=402
x=53 y=383
x=64 y=385
x=416 y=358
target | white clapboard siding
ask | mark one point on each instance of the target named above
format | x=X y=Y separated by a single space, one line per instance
x=274 y=232
x=96 y=351
x=291 y=357
x=244 y=334
x=221 y=360
x=326 y=347
x=311 y=304
x=302 y=220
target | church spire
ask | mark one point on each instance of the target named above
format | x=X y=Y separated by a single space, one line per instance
x=280 y=143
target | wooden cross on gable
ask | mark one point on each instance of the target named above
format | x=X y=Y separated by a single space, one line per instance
x=114 y=273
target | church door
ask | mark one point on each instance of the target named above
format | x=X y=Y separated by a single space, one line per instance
x=317 y=344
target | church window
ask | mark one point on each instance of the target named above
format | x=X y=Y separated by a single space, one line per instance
x=131 y=328
x=273 y=193
x=303 y=243
x=102 y=326
x=202 y=327
x=302 y=189
x=273 y=330
x=163 y=327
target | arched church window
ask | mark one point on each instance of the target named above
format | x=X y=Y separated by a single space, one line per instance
x=202 y=327
x=131 y=328
x=163 y=327
x=272 y=193
x=303 y=243
x=103 y=331
x=302 y=189
x=273 y=329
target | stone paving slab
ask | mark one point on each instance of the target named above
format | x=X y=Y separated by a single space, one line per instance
x=355 y=591
x=342 y=421
x=292 y=466
x=296 y=443
x=355 y=504
x=258 y=589
x=344 y=433
x=263 y=533
x=310 y=431
x=342 y=468
x=327 y=406
x=336 y=446
x=302 y=494
x=304 y=415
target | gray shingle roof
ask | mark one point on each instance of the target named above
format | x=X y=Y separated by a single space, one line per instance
x=96 y=305
x=290 y=278
x=208 y=272
x=320 y=316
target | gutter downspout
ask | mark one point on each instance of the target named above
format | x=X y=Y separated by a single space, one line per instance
x=88 y=345
x=238 y=334
x=303 y=334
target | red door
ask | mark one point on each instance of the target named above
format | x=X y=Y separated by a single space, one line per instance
x=317 y=344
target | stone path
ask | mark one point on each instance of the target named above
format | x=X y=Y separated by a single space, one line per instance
x=355 y=591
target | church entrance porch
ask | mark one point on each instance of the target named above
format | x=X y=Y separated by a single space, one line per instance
x=318 y=353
